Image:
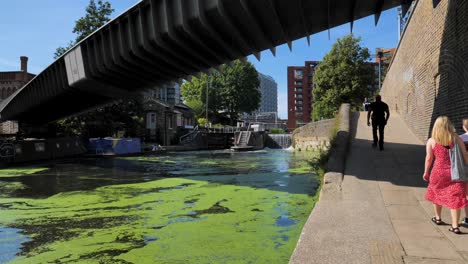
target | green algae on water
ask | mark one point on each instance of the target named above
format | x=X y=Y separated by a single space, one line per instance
x=15 y=172
x=225 y=218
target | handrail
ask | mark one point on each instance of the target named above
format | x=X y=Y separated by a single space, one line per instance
x=191 y=135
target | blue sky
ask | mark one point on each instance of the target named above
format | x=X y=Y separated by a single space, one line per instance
x=36 y=28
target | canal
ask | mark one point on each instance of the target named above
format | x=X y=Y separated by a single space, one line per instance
x=185 y=207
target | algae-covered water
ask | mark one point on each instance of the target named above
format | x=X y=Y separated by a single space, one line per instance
x=190 y=207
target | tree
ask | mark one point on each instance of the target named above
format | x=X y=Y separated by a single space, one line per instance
x=342 y=77
x=96 y=17
x=125 y=114
x=231 y=91
x=239 y=90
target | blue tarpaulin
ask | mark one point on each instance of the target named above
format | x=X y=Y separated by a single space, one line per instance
x=114 y=145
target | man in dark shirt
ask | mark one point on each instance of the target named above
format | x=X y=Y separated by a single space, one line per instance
x=380 y=114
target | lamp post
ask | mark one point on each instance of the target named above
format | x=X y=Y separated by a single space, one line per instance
x=207 y=90
x=380 y=54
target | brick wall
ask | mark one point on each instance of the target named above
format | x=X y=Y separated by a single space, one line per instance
x=429 y=73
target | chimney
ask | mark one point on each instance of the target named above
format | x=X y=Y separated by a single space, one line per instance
x=24 y=64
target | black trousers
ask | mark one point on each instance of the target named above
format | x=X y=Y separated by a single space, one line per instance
x=378 y=124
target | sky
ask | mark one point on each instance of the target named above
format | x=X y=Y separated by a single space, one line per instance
x=36 y=28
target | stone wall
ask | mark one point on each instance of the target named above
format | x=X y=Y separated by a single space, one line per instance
x=428 y=76
x=313 y=136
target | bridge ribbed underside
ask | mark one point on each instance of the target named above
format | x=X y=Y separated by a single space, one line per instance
x=160 y=41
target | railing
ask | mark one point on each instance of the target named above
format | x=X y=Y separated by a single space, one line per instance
x=224 y=129
x=189 y=137
x=7 y=149
x=243 y=135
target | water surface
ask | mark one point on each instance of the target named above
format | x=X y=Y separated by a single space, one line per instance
x=189 y=207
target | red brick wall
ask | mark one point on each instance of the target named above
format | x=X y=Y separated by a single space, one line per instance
x=307 y=86
x=429 y=73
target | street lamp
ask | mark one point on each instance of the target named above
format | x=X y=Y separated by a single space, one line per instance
x=207 y=86
x=380 y=54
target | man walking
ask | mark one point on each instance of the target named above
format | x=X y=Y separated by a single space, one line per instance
x=380 y=114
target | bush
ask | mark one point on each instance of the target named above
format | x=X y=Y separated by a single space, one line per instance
x=277 y=131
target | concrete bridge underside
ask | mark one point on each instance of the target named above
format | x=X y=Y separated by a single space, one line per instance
x=160 y=41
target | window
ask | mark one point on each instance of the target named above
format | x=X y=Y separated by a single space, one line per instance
x=39 y=147
x=18 y=149
x=169 y=121
x=179 y=120
x=299 y=108
x=299 y=89
x=299 y=102
x=298 y=95
x=298 y=74
x=298 y=82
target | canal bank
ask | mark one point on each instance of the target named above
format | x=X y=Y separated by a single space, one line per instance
x=376 y=211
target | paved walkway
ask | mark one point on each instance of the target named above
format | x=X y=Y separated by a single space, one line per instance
x=380 y=215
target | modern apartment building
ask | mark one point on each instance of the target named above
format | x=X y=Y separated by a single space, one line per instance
x=300 y=86
x=269 y=92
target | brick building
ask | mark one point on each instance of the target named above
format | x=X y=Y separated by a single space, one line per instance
x=166 y=117
x=387 y=54
x=10 y=82
x=428 y=76
x=300 y=85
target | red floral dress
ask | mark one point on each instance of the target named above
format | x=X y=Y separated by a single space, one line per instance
x=442 y=190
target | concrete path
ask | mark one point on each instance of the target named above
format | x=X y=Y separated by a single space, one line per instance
x=380 y=215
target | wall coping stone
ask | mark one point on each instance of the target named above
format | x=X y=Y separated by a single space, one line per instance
x=336 y=162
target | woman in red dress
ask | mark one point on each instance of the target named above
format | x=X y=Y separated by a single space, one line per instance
x=442 y=191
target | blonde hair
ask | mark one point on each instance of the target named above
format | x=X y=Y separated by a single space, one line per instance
x=443 y=131
x=465 y=123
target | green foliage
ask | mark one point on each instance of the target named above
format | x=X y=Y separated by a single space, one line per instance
x=342 y=77
x=197 y=107
x=277 y=131
x=231 y=91
x=202 y=121
x=123 y=115
x=96 y=17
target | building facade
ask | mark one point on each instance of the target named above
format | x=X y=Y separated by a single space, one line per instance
x=383 y=56
x=10 y=82
x=269 y=94
x=300 y=101
x=301 y=85
x=166 y=117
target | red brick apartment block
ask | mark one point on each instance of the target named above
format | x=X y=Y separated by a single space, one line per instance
x=300 y=101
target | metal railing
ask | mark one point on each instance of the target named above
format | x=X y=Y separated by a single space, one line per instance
x=189 y=137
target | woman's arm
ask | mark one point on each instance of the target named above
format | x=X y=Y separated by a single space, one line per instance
x=429 y=159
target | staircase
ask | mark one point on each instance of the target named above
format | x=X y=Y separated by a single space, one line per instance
x=243 y=138
x=242 y=142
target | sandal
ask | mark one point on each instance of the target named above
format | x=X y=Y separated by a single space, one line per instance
x=436 y=221
x=455 y=230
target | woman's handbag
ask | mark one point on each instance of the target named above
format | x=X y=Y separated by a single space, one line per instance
x=458 y=168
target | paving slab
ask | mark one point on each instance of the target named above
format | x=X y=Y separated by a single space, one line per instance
x=378 y=213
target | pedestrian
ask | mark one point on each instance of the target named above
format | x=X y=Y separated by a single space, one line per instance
x=366 y=104
x=464 y=137
x=379 y=112
x=442 y=191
